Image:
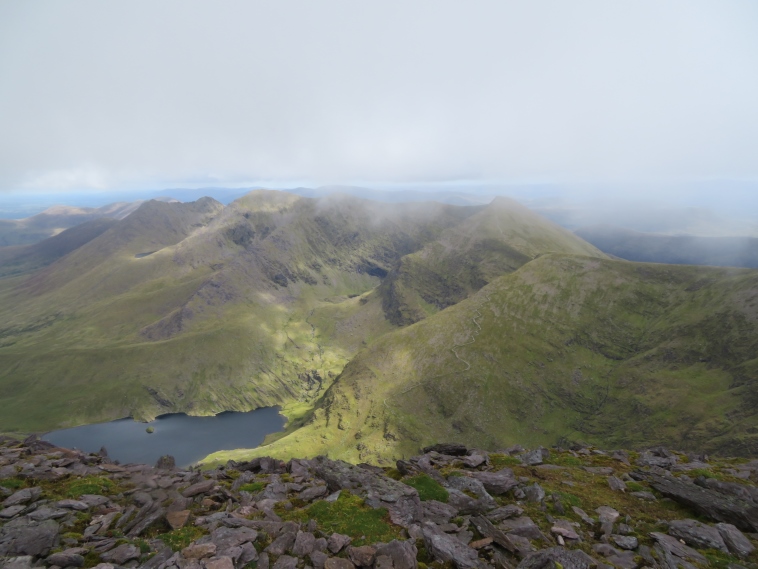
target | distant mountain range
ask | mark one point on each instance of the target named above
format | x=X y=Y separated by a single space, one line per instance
x=377 y=326
x=55 y=219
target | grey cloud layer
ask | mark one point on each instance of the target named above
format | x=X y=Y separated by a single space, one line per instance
x=108 y=94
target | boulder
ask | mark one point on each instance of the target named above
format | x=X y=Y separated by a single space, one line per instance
x=402 y=553
x=557 y=557
x=122 y=554
x=446 y=549
x=337 y=542
x=362 y=556
x=735 y=540
x=450 y=449
x=535 y=457
x=697 y=534
x=716 y=505
x=497 y=483
x=284 y=562
x=199 y=488
x=401 y=501
x=25 y=537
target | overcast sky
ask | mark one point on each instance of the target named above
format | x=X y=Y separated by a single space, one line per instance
x=134 y=94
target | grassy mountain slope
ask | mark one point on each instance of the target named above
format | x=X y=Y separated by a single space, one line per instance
x=566 y=347
x=201 y=308
x=497 y=240
x=675 y=249
x=24 y=258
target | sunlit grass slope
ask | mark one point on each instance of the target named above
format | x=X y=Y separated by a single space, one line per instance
x=567 y=347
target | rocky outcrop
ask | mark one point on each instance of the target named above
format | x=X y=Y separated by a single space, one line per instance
x=66 y=509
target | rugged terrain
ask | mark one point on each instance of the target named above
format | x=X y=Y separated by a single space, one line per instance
x=450 y=506
x=202 y=308
x=566 y=347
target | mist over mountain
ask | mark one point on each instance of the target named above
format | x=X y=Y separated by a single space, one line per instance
x=378 y=326
x=676 y=249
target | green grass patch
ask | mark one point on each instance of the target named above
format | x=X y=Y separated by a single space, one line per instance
x=349 y=515
x=427 y=487
x=636 y=487
x=498 y=461
x=569 y=499
x=694 y=473
x=565 y=460
x=89 y=485
x=253 y=487
x=178 y=539
x=719 y=559
x=12 y=483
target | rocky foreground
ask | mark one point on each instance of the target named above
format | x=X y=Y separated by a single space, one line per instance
x=450 y=506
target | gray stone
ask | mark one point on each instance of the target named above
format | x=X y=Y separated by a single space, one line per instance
x=583 y=516
x=304 y=544
x=221 y=562
x=697 y=534
x=735 y=540
x=67 y=558
x=497 y=483
x=313 y=492
x=21 y=562
x=378 y=491
x=199 y=550
x=282 y=544
x=472 y=485
x=28 y=538
x=402 y=553
x=200 y=488
x=534 y=493
x=225 y=537
x=337 y=541
x=673 y=547
x=284 y=562
x=77 y=505
x=550 y=558
x=523 y=526
x=445 y=548
x=474 y=459
x=535 y=457
x=715 y=504
x=607 y=514
x=13 y=511
x=318 y=558
x=23 y=497
x=504 y=512
x=121 y=554
x=643 y=495
x=383 y=562
x=338 y=563
x=438 y=512
x=450 y=449
x=625 y=541
x=616 y=484
x=362 y=556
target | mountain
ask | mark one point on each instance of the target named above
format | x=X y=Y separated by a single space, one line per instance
x=674 y=249
x=202 y=308
x=57 y=218
x=566 y=348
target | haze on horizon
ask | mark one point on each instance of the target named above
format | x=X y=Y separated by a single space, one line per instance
x=121 y=95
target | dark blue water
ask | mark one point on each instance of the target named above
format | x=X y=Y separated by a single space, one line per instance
x=187 y=439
